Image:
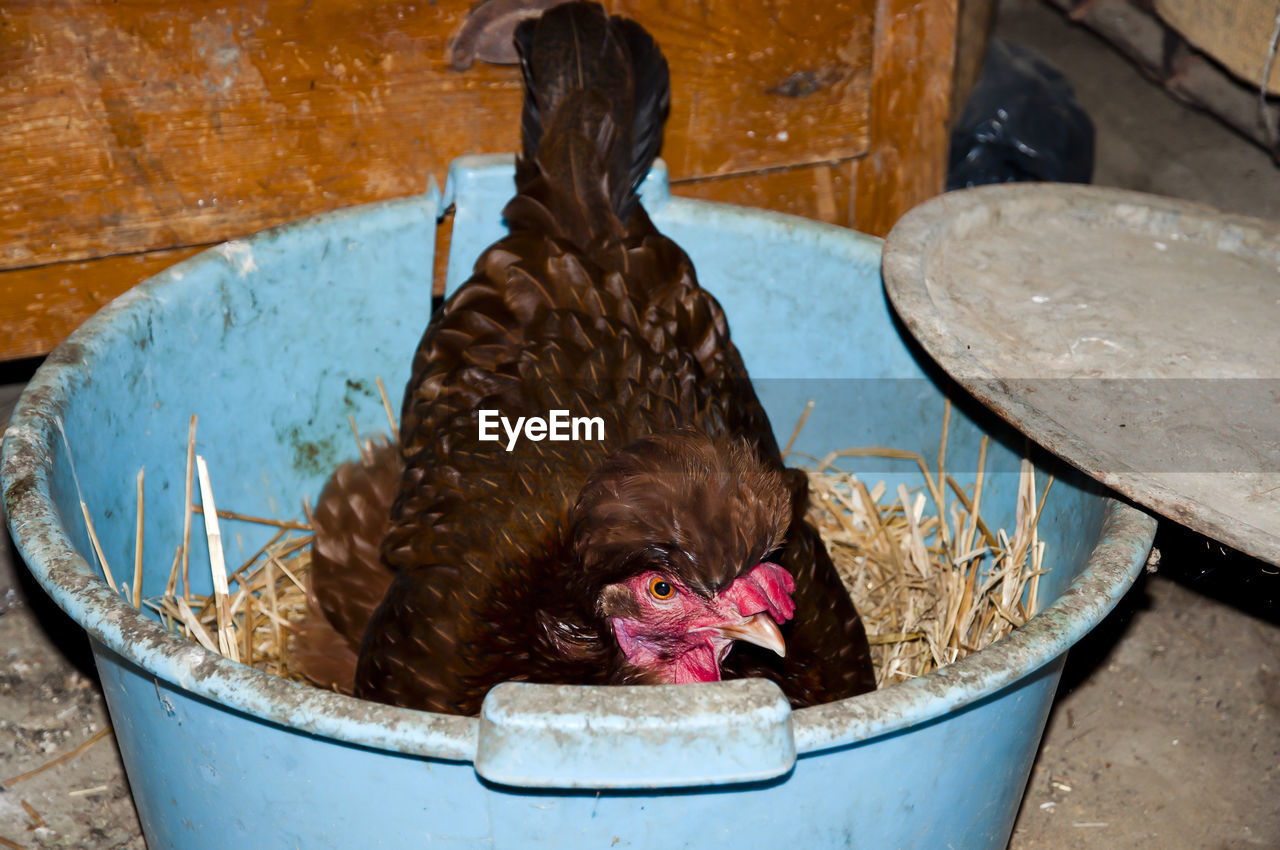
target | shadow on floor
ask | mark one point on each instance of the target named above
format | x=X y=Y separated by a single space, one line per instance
x=63 y=632
x=1197 y=563
x=1220 y=573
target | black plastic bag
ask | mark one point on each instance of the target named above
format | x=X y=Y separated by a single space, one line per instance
x=1021 y=123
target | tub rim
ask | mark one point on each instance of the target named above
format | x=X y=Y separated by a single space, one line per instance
x=76 y=587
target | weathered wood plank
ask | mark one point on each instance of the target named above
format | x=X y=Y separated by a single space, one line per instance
x=762 y=83
x=911 y=94
x=180 y=124
x=40 y=306
x=140 y=126
x=1162 y=54
x=823 y=191
x=137 y=128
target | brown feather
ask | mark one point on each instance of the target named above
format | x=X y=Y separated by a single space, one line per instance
x=711 y=505
x=348 y=578
x=496 y=561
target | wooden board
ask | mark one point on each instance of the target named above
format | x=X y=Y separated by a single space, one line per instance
x=39 y=306
x=1163 y=54
x=820 y=191
x=182 y=124
x=762 y=83
x=138 y=129
x=915 y=49
x=1236 y=34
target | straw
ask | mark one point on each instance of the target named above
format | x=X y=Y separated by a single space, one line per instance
x=804 y=417
x=929 y=577
x=249 y=616
x=386 y=405
x=97 y=548
x=360 y=444
x=194 y=627
x=931 y=582
x=259 y=520
x=217 y=565
x=137 y=547
x=22 y=777
x=186 y=509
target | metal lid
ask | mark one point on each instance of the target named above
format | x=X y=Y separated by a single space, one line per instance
x=1137 y=337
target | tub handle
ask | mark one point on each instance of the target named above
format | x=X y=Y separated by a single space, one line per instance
x=655 y=736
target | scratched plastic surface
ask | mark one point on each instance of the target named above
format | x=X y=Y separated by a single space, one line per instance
x=274 y=340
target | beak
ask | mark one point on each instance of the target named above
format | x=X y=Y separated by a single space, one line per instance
x=760 y=630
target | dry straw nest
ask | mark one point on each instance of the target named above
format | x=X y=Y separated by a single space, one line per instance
x=930 y=579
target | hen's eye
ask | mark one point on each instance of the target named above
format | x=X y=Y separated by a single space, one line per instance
x=661 y=589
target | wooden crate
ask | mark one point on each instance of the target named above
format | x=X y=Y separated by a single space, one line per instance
x=1207 y=53
x=137 y=133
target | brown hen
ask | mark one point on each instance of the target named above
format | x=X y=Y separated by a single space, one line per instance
x=643 y=556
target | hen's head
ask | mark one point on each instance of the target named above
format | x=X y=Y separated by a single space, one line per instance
x=671 y=535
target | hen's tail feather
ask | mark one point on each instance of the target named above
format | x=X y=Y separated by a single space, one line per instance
x=596 y=96
x=652 y=98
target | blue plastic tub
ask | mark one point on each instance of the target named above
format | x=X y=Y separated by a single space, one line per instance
x=273 y=341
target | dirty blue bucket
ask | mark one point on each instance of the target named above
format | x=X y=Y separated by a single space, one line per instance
x=274 y=340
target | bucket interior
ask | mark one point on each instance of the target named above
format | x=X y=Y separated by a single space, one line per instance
x=275 y=341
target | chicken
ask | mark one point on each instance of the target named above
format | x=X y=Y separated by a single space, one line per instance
x=668 y=545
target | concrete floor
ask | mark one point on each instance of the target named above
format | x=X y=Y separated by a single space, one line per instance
x=1165 y=732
